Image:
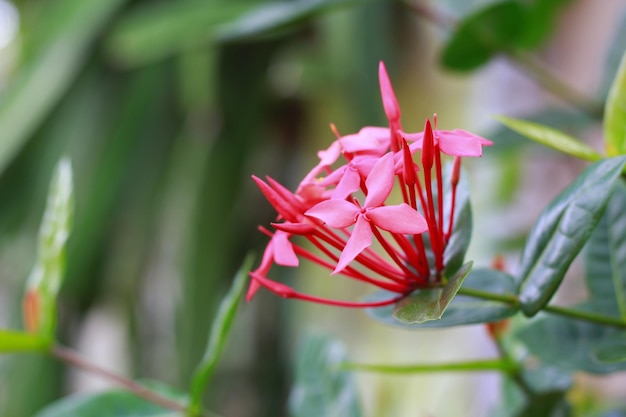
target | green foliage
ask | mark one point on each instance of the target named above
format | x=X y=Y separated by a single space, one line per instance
x=111 y=404
x=426 y=305
x=561 y=231
x=320 y=387
x=454 y=254
x=46 y=77
x=500 y=27
x=217 y=339
x=573 y=345
x=605 y=258
x=615 y=114
x=552 y=138
x=46 y=276
x=463 y=309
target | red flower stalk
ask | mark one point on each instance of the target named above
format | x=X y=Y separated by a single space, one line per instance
x=340 y=208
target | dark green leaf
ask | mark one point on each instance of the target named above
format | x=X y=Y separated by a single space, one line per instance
x=463 y=309
x=15 y=342
x=615 y=113
x=561 y=231
x=111 y=404
x=454 y=255
x=43 y=80
x=478 y=37
x=572 y=344
x=553 y=138
x=605 y=258
x=219 y=332
x=46 y=276
x=548 y=404
x=320 y=388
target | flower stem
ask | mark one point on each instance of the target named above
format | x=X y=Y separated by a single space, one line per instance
x=469 y=366
x=73 y=358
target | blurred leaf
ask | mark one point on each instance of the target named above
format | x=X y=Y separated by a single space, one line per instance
x=605 y=258
x=15 y=342
x=615 y=113
x=571 y=344
x=43 y=80
x=611 y=350
x=46 y=276
x=430 y=304
x=478 y=37
x=115 y=403
x=551 y=137
x=463 y=309
x=219 y=332
x=320 y=388
x=548 y=404
x=154 y=32
x=542 y=14
x=561 y=231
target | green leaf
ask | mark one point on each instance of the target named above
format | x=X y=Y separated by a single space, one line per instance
x=616 y=51
x=46 y=276
x=552 y=138
x=478 y=37
x=612 y=352
x=605 y=258
x=15 y=342
x=219 y=332
x=463 y=309
x=561 y=231
x=454 y=254
x=44 y=79
x=615 y=114
x=320 y=388
x=426 y=305
x=153 y=32
x=115 y=403
x=542 y=14
x=572 y=345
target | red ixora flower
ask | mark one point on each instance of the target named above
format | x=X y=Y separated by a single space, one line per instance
x=326 y=209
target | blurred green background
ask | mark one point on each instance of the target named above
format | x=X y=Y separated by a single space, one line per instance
x=165 y=109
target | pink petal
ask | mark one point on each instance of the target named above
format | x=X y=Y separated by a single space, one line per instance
x=360 y=239
x=379 y=182
x=390 y=103
x=349 y=183
x=330 y=155
x=335 y=213
x=370 y=139
x=283 y=250
x=401 y=219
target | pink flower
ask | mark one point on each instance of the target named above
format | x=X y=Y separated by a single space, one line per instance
x=326 y=212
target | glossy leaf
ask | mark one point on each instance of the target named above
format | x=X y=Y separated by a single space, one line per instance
x=605 y=258
x=478 y=37
x=115 y=403
x=219 y=333
x=463 y=310
x=615 y=113
x=44 y=281
x=572 y=344
x=552 y=138
x=320 y=388
x=15 y=342
x=561 y=231
x=44 y=78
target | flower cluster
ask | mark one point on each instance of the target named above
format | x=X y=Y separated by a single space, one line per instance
x=340 y=208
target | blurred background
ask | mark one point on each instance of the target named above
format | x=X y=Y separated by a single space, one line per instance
x=167 y=107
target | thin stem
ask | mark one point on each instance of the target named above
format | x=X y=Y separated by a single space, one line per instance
x=485 y=295
x=586 y=315
x=486 y=365
x=73 y=358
